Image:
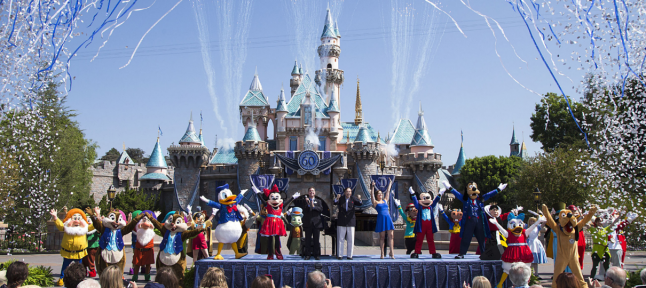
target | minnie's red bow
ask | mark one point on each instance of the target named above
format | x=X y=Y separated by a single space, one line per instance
x=273 y=190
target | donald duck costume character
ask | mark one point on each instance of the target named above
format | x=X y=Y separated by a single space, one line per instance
x=229 y=229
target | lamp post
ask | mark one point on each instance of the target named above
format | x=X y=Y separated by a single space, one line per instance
x=112 y=192
x=537 y=198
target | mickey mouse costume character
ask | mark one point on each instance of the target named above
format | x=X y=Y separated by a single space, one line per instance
x=273 y=226
x=517 y=247
x=473 y=221
x=454 y=228
x=425 y=222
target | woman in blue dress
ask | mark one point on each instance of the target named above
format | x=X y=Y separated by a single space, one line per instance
x=384 y=222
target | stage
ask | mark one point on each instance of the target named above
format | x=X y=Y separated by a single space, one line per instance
x=362 y=271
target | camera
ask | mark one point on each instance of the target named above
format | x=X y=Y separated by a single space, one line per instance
x=127 y=284
x=318 y=267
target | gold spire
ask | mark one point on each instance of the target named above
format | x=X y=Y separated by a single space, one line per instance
x=358 y=118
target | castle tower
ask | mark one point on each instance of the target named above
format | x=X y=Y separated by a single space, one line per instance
x=366 y=153
x=330 y=76
x=187 y=157
x=296 y=78
x=523 y=151
x=156 y=170
x=358 y=111
x=514 y=145
x=422 y=161
x=281 y=124
x=250 y=152
x=255 y=101
x=460 y=162
x=335 y=122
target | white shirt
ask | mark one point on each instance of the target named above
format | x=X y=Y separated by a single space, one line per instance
x=613 y=243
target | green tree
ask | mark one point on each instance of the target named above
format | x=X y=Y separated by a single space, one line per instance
x=552 y=124
x=488 y=172
x=555 y=175
x=130 y=200
x=112 y=155
x=137 y=155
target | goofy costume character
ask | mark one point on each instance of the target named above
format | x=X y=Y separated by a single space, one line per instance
x=473 y=221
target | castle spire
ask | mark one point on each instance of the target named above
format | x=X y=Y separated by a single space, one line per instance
x=295 y=69
x=358 y=115
x=328 y=29
x=461 y=158
x=421 y=137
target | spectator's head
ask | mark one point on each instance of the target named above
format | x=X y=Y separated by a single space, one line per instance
x=262 y=282
x=88 y=283
x=480 y=282
x=615 y=277
x=643 y=275
x=166 y=277
x=536 y=286
x=519 y=274
x=214 y=278
x=17 y=273
x=111 y=277
x=567 y=280
x=3 y=277
x=74 y=274
x=315 y=279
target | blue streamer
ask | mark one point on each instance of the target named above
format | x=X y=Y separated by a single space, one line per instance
x=522 y=16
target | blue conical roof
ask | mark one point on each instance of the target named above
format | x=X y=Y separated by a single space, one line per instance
x=157 y=158
x=124 y=158
x=514 y=141
x=523 y=152
x=282 y=106
x=295 y=70
x=460 y=162
x=201 y=138
x=328 y=29
x=190 y=136
x=336 y=29
x=251 y=134
x=421 y=136
x=363 y=136
x=334 y=106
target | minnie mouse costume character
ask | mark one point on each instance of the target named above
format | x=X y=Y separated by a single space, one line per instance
x=473 y=221
x=274 y=227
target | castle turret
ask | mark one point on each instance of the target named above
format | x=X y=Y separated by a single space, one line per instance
x=335 y=123
x=366 y=154
x=296 y=78
x=421 y=142
x=460 y=162
x=257 y=103
x=514 y=145
x=156 y=170
x=523 y=151
x=422 y=161
x=358 y=110
x=250 y=152
x=187 y=157
x=330 y=76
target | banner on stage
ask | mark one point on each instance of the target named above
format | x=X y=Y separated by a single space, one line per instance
x=262 y=181
x=338 y=189
x=349 y=183
x=282 y=184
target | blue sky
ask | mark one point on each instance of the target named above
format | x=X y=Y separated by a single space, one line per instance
x=464 y=86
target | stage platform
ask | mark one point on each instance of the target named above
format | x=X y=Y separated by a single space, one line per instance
x=362 y=271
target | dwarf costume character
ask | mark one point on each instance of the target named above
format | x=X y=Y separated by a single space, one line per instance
x=517 y=247
x=112 y=228
x=296 y=231
x=229 y=228
x=567 y=230
x=74 y=244
x=473 y=222
x=133 y=238
x=410 y=217
x=273 y=226
x=425 y=222
x=171 y=249
x=144 y=253
x=92 y=248
x=454 y=229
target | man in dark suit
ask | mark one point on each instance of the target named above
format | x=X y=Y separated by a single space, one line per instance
x=346 y=221
x=312 y=224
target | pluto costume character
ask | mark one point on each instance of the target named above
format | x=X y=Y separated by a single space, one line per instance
x=229 y=228
x=473 y=220
x=74 y=244
x=112 y=228
x=517 y=247
x=171 y=249
x=567 y=230
x=425 y=223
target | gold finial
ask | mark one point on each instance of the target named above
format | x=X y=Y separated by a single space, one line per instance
x=124 y=146
x=358 y=118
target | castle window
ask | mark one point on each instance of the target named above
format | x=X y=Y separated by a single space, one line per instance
x=329 y=66
x=293 y=143
x=322 y=143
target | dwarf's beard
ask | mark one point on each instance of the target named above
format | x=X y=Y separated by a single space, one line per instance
x=76 y=231
x=144 y=236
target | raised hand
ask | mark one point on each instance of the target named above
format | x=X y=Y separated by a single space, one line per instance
x=337 y=196
x=204 y=199
x=439 y=206
x=411 y=191
x=493 y=221
x=256 y=190
x=97 y=211
x=397 y=202
x=296 y=195
x=189 y=208
x=54 y=214
x=447 y=185
x=442 y=191
x=502 y=186
x=215 y=210
x=631 y=216
x=243 y=191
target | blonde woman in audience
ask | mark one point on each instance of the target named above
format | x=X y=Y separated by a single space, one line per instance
x=478 y=282
x=214 y=278
x=112 y=277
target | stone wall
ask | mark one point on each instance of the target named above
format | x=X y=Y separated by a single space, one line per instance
x=108 y=173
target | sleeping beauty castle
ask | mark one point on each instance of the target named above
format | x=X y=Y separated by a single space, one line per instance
x=310 y=147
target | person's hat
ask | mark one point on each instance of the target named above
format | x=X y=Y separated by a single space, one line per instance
x=560 y=206
x=410 y=206
x=74 y=211
x=297 y=211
